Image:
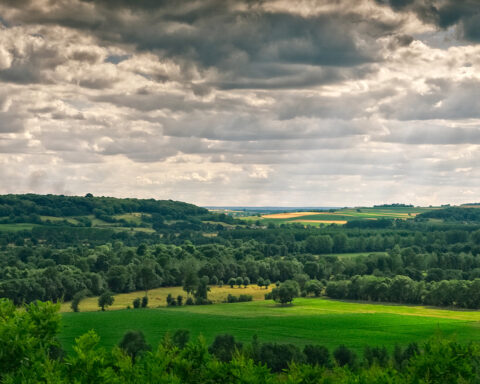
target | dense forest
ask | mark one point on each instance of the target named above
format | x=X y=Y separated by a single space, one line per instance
x=419 y=260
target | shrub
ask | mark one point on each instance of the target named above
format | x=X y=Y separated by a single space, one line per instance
x=224 y=346
x=134 y=344
x=136 y=302
x=181 y=337
x=317 y=355
x=278 y=356
x=231 y=298
x=344 y=356
x=189 y=301
x=171 y=300
x=144 y=301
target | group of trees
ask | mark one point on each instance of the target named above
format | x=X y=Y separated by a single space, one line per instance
x=402 y=289
x=30 y=353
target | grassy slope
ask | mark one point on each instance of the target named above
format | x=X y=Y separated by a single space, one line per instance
x=319 y=321
x=157 y=297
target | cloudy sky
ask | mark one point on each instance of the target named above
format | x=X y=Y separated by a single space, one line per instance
x=242 y=102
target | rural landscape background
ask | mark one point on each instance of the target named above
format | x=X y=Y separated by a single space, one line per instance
x=239 y=191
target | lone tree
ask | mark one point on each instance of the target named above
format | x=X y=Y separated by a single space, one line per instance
x=79 y=296
x=260 y=282
x=239 y=281
x=286 y=292
x=105 y=300
x=231 y=282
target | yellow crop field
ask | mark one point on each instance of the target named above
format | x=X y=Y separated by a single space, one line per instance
x=321 y=221
x=288 y=215
x=158 y=297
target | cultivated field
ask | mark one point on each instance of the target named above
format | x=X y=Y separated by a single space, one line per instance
x=318 y=321
x=340 y=216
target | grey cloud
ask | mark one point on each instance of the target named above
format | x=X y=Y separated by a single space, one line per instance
x=29 y=65
x=432 y=134
x=444 y=13
x=251 y=48
x=446 y=100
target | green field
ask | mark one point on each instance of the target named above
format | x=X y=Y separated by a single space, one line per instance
x=319 y=321
x=354 y=254
x=17 y=227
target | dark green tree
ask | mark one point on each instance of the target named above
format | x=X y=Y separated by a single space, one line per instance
x=105 y=300
x=224 y=346
x=181 y=337
x=344 y=356
x=134 y=344
x=286 y=292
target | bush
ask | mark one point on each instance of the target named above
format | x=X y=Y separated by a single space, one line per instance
x=136 y=302
x=376 y=355
x=317 y=355
x=134 y=344
x=144 y=301
x=278 y=356
x=202 y=301
x=181 y=337
x=179 y=300
x=231 y=298
x=224 y=346
x=243 y=298
x=189 y=301
x=344 y=356
x=171 y=300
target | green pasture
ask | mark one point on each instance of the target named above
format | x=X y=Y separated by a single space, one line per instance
x=16 y=227
x=318 y=321
x=353 y=254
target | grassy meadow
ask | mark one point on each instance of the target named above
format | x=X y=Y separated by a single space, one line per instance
x=308 y=320
x=158 y=297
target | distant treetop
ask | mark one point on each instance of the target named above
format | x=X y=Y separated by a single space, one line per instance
x=394 y=205
x=60 y=205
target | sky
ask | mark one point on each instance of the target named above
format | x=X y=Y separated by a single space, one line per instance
x=242 y=102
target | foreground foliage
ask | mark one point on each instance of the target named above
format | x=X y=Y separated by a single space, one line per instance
x=29 y=353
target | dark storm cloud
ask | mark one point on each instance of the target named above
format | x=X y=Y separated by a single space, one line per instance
x=444 y=14
x=249 y=46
